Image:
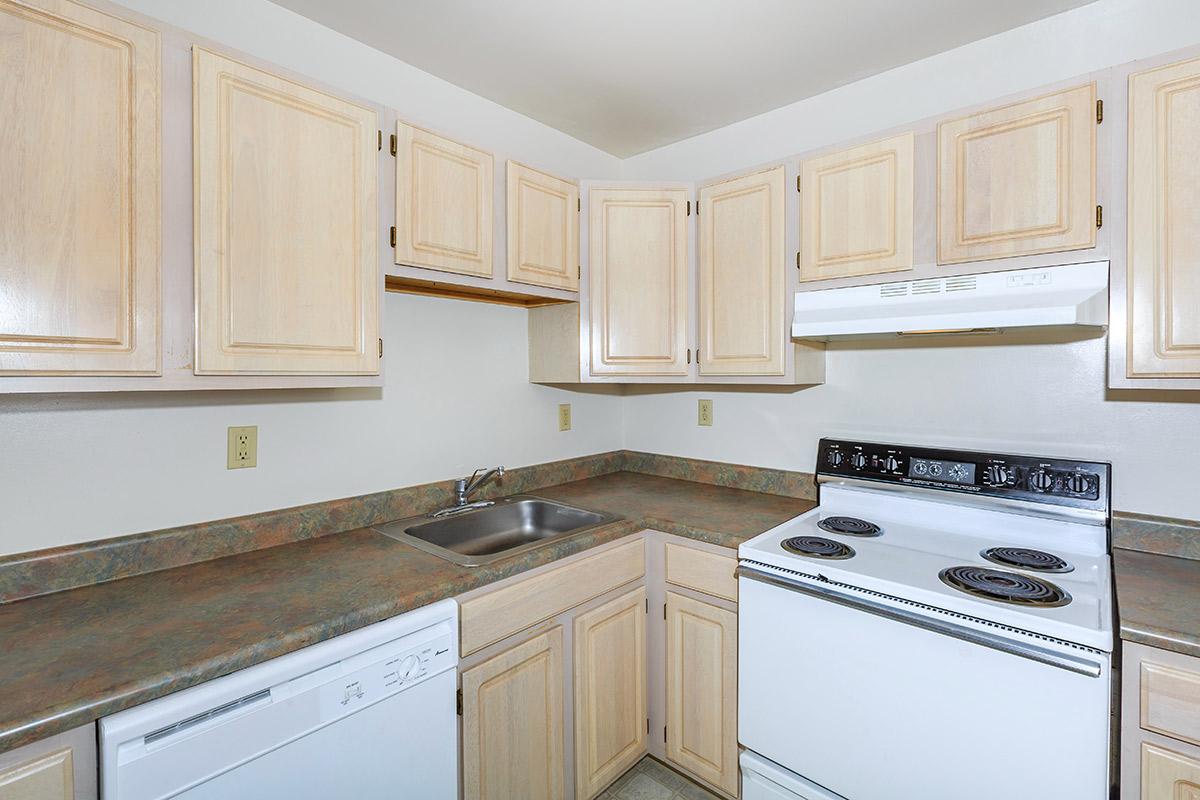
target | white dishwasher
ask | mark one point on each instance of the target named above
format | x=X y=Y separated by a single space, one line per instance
x=366 y=715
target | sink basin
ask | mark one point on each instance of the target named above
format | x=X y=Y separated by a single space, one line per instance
x=507 y=527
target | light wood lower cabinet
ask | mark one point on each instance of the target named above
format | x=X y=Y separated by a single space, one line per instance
x=79 y=192
x=701 y=658
x=1169 y=776
x=287 y=278
x=61 y=767
x=610 y=691
x=512 y=723
x=1160 y=731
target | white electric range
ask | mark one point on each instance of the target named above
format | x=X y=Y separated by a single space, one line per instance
x=939 y=627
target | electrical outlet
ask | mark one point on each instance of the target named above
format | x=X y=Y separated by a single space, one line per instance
x=704 y=414
x=564 y=416
x=243 y=447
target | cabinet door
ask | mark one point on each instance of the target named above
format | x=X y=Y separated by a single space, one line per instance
x=50 y=777
x=742 y=292
x=1019 y=180
x=1169 y=776
x=856 y=214
x=443 y=203
x=1163 y=337
x=610 y=691
x=287 y=278
x=637 y=256
x=79 y=192
x=543 y=228
x=702 y=690
x=512 y=725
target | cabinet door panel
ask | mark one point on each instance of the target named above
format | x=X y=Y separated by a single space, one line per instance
x=443 y=203
x=1163 y=338
x=638 y=264
x=741 y=275
x=286 y=219
x=543 y=229
x=610 y=691
x=79 y=167
x=701 y=690
x=513 y=723
x=50 y=777
x=1168 y=776
x=1019 y=180
x=857 y=211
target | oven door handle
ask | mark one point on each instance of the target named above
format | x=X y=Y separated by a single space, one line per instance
x=1032 y=652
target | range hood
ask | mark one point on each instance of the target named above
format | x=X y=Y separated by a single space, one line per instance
x=1071 y=295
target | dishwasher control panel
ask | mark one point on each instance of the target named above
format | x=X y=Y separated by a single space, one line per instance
x=369 y=677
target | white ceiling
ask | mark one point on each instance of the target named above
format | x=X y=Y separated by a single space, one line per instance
x=631 y=75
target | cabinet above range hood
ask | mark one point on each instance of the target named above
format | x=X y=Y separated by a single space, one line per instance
x=1074 y=295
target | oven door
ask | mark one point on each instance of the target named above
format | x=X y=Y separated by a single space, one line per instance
x=878 y=699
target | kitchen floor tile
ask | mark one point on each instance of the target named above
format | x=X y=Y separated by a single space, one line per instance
x=650 y=779
x=643 y=787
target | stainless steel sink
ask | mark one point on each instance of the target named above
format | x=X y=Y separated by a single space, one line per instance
x=509 y=526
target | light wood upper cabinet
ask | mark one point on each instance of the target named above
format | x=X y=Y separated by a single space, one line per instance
x=857 y=210
x=1163 y=279
x=741 y=290
x=702 y=690
x=543 y=228
x=1018 y=180
x=1167 y=775
x=79 y=192
x=637 y=256
x=287 y=277
x=512 y=723
x=443 y=203
x=610 y=691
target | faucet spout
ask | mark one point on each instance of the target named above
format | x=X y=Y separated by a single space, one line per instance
x=464 y=488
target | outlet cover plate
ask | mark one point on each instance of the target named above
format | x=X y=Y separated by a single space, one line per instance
x=564 y=416
x=704 y=413
x=243 y=447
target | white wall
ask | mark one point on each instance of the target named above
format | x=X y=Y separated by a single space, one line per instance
x=1037 y=398
x=76 y=468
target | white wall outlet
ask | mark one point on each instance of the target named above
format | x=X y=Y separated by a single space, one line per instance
x=704 y=413
x=243 y=447
x=564 y=416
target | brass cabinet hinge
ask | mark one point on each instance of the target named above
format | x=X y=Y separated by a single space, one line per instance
x=393 y=236
x=381 y=348
x=647 y=726
x=697 y=208
x=647 y=605
x=579 y=271
x=797 y=183
x=664 y=733
x=458 y=701
x=578 y=204
x=664 y=610
x=380 y=147
x=1099 y=111
x=797 y=259
x=393 y=146
x=689 y=355
x=689 y=208
x=1099 y=216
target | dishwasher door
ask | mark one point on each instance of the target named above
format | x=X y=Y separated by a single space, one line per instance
x=370 y=714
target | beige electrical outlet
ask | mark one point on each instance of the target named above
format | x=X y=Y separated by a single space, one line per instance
x=564 y=416
x=704 y=414
x=243 y=447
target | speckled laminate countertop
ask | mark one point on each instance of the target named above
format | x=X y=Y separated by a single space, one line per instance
x=1158 y=600
x=69 y=658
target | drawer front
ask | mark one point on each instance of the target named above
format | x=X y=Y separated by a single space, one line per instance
x=1171 y=701
x=701 y=570
x=491 y=617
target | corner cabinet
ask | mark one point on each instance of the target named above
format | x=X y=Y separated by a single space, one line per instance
x=638 y=262
x=286 y=270
x=443 y=203
x=80 y=253
x=1018 y=180
x=1162 y=281
x=543 y=228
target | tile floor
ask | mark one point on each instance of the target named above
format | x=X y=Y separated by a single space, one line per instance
x=652 y=780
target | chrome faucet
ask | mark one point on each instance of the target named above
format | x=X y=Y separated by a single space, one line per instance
x=465 y=487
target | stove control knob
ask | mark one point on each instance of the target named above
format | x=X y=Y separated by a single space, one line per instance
x=1077 y=483
x=891 y=464
x=858 y=461
x=836 y=457
x=997 y=475
x=1041 y=481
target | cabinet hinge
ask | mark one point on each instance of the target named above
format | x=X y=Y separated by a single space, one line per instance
x=689 y=208
x=381 y=348
x=393 y=146
x=697 y=208
x=647 y=605
x=647 y=726
x=797 y=259
x=578 y=204
x=797 y=183
x=458 y=701
x=664 y=610
x=380 y=147
x=664 y=733
x=393 y=236
x=1099 y=216
x=579 y=271
x=689 y=355
x=1099 y=111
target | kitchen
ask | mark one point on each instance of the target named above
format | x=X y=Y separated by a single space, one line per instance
x=194 y=516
